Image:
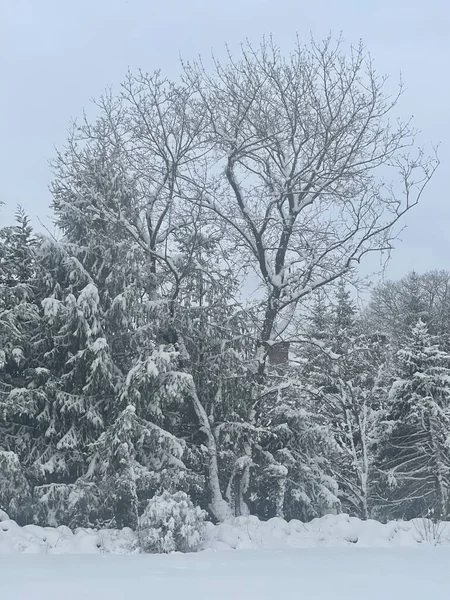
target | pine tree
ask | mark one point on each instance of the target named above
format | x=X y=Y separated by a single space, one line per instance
x=348 y=398
x=81 y=388
x=134 y=459
x=19 y=364
x=15 y=493
x=294 y=456
x=18 y=315
x=17 y=257
x=315 y=352
x=414 y=456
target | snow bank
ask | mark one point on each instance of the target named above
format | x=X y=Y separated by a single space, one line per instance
x=32 y=539
x=242 y=533
x=329 y=531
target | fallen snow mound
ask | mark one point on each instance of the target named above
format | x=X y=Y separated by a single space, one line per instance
x=241 y=533
x=329 y=531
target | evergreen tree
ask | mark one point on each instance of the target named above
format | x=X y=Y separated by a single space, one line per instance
x=315 y=351
x=132 y=461
x=414 y=455
x=19 y=361
x=349 y=400
x=294 y=456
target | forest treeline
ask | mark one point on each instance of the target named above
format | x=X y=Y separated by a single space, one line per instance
x=191 y=329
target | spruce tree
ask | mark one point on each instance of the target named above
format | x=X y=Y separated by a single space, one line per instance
x=348 y=398
x=20 y=374
x=414 y=455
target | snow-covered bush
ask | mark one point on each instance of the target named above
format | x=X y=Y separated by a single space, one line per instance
x=171 y=523
x=431 y=531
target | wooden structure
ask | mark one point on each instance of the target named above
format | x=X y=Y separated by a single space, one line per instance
x=278 y=353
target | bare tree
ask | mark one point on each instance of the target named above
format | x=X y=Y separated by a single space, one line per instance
x=396 y=306
x=147 y=134
x=313 y=173
x=309 y=172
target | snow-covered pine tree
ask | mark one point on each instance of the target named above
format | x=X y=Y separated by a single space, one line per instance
x=138 y=283
x=348 y=397
x=315 y=351
x=132 y=460
x=68 y=397
x=293 y=457
x=15 y=492
x=19 y=324
x=414 y=454
x=18 y=315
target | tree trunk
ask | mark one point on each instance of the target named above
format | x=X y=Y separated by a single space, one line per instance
x=439 y=478
x=218 y=506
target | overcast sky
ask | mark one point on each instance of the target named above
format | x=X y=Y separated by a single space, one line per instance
x=55 y=55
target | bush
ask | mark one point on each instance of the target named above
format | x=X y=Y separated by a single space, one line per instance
x=171 y=523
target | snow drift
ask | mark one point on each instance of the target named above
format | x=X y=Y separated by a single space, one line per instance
x=240 y=533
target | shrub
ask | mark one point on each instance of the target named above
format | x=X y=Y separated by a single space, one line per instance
x=171 y=523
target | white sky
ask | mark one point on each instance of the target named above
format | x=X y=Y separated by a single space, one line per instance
x=55 y=55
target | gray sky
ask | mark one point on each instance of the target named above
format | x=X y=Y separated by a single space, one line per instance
x=55 y=55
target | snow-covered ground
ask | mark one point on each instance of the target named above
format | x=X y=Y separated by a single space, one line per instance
x=331 y=558
x=304 y=574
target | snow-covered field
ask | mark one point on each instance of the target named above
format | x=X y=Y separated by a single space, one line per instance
x=304 y=574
